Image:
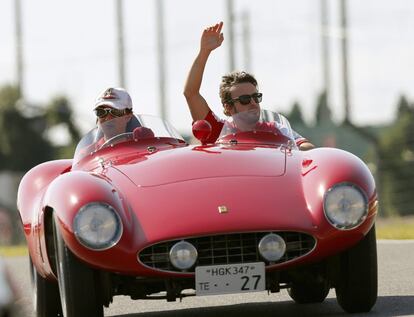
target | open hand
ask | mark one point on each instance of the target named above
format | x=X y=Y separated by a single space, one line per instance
x=212 y=37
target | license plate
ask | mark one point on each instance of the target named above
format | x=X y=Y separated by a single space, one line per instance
x=230 y=278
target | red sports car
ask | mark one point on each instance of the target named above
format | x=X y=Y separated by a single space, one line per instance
x=147 y=215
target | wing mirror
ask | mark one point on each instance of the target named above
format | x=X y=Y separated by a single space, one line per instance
x=202 y=130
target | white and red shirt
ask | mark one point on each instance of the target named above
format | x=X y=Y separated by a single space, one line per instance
x=217 y=125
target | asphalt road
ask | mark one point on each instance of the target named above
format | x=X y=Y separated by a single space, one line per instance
x=395 y=294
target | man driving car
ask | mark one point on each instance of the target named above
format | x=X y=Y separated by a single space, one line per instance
x=113 y=110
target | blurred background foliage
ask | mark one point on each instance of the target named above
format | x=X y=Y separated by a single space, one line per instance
x=32 y=134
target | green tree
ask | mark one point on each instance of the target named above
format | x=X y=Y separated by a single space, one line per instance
x=23 y=131
x=295 y=116
x=323 y=112
x=397 y=154
x=22 y=144
x=403 y=107
x=59 y=112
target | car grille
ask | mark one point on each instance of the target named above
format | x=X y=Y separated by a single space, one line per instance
x=227 y=249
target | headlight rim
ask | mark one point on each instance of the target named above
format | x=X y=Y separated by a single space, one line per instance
x=363 y=217
x=115 y=239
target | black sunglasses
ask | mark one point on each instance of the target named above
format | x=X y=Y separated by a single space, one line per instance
x=246 y=99
x=103 y=112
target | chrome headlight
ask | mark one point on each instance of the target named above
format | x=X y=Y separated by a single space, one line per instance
x=272 y=247
x=345 y=206
x=97 y=226
x=183 y=255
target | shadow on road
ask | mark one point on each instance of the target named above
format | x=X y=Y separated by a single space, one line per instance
x=386 y=306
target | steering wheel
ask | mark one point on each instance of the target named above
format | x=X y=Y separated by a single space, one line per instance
x=116 y=139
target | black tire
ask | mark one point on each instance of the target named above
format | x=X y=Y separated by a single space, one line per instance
x=77 y=283
x=308 y=293
x=357 y=285
x=46 y=300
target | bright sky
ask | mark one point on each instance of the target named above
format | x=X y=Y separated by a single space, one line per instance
x=70 y=48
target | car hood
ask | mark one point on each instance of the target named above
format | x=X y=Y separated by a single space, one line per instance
x=186 y=164
x=214 y=205
x=180 y=195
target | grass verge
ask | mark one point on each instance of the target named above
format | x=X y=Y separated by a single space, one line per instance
x=395 y=228
x=16 y=250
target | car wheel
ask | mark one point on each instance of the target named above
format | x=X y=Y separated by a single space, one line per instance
x=308 y=293
x=77 y=283
x=356 y=289
x=46 y=300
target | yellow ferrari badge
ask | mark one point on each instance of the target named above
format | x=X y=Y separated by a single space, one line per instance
x=223 y=209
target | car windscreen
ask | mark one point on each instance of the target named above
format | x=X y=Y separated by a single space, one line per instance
x=254 y=126
x=124 y=129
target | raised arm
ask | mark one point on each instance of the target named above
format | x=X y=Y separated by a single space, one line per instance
x=210 y=40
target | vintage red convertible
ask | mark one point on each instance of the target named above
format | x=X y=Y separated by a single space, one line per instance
x=147 y=215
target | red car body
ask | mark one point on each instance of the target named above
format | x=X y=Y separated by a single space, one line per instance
x=164 y=189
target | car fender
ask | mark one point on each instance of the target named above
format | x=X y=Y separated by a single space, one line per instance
x=324 y=167
x=29 y=196
x=69 y=192
x=33 y=185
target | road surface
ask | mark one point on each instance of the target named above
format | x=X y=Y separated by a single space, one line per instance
x=395 y=294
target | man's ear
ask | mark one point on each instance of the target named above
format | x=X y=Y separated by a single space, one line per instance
x=227 y=109
x=128 y=117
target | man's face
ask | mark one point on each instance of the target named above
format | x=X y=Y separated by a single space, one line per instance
x=245 y=109
x=243 y=90
x=112 y=125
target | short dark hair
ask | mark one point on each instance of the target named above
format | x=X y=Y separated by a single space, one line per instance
x=231 y=79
